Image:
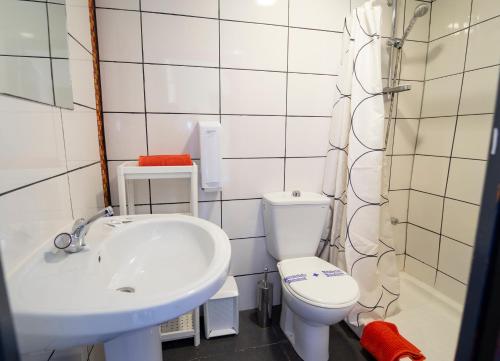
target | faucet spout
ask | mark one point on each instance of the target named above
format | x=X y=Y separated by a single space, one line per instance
x=75 y=241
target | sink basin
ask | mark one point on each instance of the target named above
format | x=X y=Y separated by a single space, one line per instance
x=135 y=273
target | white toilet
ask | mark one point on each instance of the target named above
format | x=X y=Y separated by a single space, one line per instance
x=316 y=294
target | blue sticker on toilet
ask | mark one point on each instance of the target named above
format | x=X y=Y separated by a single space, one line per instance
x=295 y=278
x=333 y=273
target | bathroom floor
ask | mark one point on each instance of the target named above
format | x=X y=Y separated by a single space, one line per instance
x=261 y=344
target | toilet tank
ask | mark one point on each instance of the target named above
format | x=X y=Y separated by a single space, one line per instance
x=294 y=223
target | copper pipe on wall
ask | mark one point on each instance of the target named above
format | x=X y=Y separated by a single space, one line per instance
x=98 y=104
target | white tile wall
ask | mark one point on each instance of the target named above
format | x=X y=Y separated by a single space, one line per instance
x=170 y=89
x=480 y=53
x=449 y=253
x=441 y=96
x=422 y=245
x=451 y=287
x=304 y=173
x=314 y=51
x=472 y=136
x=466 y=180
x=420 y=270
x=253 y=92
x=125 y=126
x=435 y=136
x=319 y=14
x=275 y=12
x=449 y=16
x=42 y=129
x=255 y=136
x=484 y=9
x=447 y=55
x=311 y=94
x=409 y=103
x=249 y=255
x=57 y=149
x=405 y=136
x=183 y=40
x=460 y=221
x=121 y=37
x=126 y=77
x=206 y=8
x=401 y=167
x=244 y=178
x=453 y=132
x=479 y=91
x=306 y=136
x=80 y=136
x=425 y=210
x=252 y=46
x=175 y=133
x=413 y=60
x=429 y=174
x=243 y=218
x=118 y=4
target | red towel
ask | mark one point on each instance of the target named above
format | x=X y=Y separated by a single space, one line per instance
x=383 y=341
x=165 y=160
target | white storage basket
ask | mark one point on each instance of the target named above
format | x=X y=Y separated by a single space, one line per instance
x=221 y=311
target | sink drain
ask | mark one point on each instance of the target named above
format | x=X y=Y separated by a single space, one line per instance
x=126 y=289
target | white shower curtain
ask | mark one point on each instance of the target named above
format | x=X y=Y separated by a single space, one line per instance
x=356 y=174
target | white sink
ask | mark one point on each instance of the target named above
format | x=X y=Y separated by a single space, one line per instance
x=172 y=263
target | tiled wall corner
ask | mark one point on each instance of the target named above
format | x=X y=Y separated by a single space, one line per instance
x=452 y=143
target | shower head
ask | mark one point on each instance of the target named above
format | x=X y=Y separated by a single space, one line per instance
x=420 y=11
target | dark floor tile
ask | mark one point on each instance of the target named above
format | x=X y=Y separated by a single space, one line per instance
x=250 y=336
x=264 y=353
x=344 y=344
x=262 y=344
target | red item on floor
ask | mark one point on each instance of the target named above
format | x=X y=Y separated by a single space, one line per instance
x=383 y=341
x=165 y=160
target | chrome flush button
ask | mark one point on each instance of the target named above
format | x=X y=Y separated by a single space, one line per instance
x=296 y=194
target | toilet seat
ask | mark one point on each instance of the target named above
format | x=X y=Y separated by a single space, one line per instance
x=318 y=282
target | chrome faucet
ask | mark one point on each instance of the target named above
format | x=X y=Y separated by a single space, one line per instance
x=75 y=241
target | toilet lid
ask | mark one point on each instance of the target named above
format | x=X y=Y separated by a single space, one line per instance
x=318 y=282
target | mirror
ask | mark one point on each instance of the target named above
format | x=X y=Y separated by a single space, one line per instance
x=34 y=56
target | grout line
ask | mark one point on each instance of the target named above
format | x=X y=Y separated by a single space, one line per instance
x=453 y=140
x=437 y=270
x=66 y=162
x=464 y=71
x=443 y=196
x=48 y=178
x=418 y=130
x=286 y=91
x=467 y=28
x=79 y=43
x=84 y=106
x=34 y=56
x=253 y=274
x=220 y=67
x=50 y=55
x=438 y=233
x=223 y=114
x=220 y=90
x=144 y=98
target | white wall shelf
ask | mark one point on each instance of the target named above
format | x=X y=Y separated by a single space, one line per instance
x=130 y=171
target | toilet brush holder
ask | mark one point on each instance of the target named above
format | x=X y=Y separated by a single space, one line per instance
x=264 y=301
